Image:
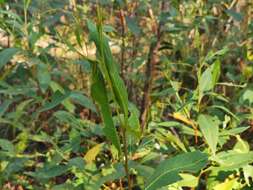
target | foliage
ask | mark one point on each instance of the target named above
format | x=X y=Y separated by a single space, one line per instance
x=126 y=94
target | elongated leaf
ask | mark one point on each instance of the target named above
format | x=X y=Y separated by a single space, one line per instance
x=4 y=107
x=210 y=130
x=57 y=98
x=237 y=16
x=108 y=66
x=99 y=94
x=66 y=102
x=6 y=55
x=215 y=69
x=83 y=100
x=49 y=172
x=91 y=155
x=43 y=76
x=232 y=160
x=209 y=77
x=167 y=171
x=226 y=110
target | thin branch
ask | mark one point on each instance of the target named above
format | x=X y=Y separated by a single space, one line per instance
x=150 y=67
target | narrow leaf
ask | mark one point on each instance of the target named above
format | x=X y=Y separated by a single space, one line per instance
x=108 y=66
x=91 y=155
x=99 y=94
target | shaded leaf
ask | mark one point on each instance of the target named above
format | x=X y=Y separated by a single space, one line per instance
x=6 y=55
x=83 y=100
x=108 y=66
x=237 y=16
x=57 y=99
x=43 y=76
x=99 y=94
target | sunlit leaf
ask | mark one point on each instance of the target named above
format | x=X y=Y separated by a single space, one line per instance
x=210 y=130
x=92 y=153
x=167 y=172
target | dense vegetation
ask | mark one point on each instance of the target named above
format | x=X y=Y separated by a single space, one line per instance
x=133 y=94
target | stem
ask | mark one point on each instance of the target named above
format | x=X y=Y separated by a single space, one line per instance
x=124 y=137
x=107 y=76
x=126 y=158
x=150 y=67
x=123 y=45
x=25 y=24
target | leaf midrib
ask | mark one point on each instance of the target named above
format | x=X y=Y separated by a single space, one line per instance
x=164 y=173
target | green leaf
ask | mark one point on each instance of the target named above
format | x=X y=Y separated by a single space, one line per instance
x=232 y=160
x=108 y=66
x=7 y=146
x=211 y=55
x=133 y=26
x=237 y=16
x=248 y=96
x=226 y=110
x=167 y=171
x=241 y=146
x=64 y=186
x=99 y=94
x=4 y=107
x=209 y=77
x=6 y=55
x=234 y=131
x=57 y=98
x=66 y=102
x=134 y=125
x=210 y=130
x=215 y=69
x=43 y=76
x=83 y=100
x=248 y=173
x=188 y=180
x=49 y=172
x=77 y=162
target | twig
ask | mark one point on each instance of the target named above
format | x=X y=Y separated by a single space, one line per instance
x=123 y=45
x=150 y=67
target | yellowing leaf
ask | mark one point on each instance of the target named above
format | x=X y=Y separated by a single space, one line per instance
x=182 y=118
x=248 y=173
x=241 y=146
x=250 y=55
x=139 y=155
x=91 y=155
x=188 y=180
x=227 y=185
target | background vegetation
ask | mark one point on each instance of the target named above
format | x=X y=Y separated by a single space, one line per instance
x=137 y=94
